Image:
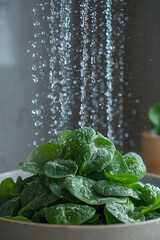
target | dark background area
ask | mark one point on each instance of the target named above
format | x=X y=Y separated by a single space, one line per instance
x=142 y=70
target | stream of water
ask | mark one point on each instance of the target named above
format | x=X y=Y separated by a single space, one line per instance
x=78 y=67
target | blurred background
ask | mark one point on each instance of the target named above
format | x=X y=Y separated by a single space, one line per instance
x=17 y=89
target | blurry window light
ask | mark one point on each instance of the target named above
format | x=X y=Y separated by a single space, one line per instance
x=7 y=55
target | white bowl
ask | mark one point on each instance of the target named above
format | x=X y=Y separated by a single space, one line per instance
x=15 y=230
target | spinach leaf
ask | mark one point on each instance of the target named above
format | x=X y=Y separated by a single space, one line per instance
x=8 y=187
x=60 y=168
x=20 y=184
x=19 y=218
x=102 y=142
x=122 y=177
x=109 y=189
x=110 y=219
x=32 y=190
x=123 y=212
x=10 y=207
x=95 y=219
x=118 y=170
x=62 y=137
x=34 y=168
x=95 y=156
x=135 y=164
x=43 y=200
x=83 y=189
x=61 y=192
x=152 y=215
x=5 y=198
x=150 y=193
x=69 y=214
x=117 y=165
x=76 y=140
x=44 y=153
x=154 y=206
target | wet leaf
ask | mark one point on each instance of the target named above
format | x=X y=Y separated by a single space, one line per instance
x=114 y=189
x=60 y=168
x=83 y=189
x=69 y=214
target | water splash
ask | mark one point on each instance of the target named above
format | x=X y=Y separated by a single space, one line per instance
x=109 y=68
x=79 y=47
x=84 y=62
x=60 y=67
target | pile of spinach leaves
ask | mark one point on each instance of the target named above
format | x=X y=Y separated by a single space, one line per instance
x=80 y=179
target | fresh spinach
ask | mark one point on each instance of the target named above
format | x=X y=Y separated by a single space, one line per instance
x=8 y=187
x=123 y=212
x=83 y=189
x=115 y=189
x=80 y=179
x=44 y=153
x=135 y=164
x=76 y=140
x=10 y=207
x=69 y=214
x=33 y=167
x=19 y=218
x=95 y=156
x=118 y=170
x=60 y=168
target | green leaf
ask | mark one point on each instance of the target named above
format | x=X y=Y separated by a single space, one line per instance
x=20 y=184
x=32 y=190
x=135 y=164
x=83 y=189
x=69 y=214
x=62 y=137
x=10 y=207
x=8 y=187
x=61 y=192
x=118 y=170
x=94 y=219
x=150 y=193
x=154 y=117
x=152 y=215
x=110 y=219
x=44 y=153
x=36 y=204
x=102 y=142
x=122 y=177
x=117 y=165
x=5 y=198
x=95 y=156
x=60 y=168
x=113 y=189
x=18 y=218
x=56 y=189
x=123 y=212
x=76 y=140
x=34 y=168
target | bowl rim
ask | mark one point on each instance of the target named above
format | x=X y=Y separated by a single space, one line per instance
x=79 y=227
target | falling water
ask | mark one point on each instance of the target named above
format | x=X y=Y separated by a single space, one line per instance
x=109 y=68
x=84 y=62
x=78 y=67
